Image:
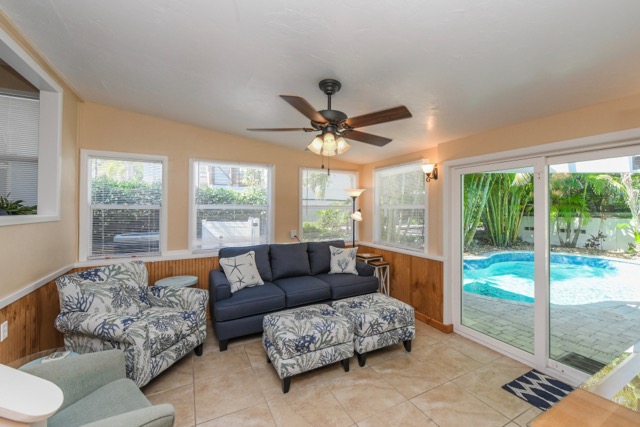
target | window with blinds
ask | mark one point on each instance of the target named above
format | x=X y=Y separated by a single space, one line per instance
x=19 y=139
x=326 y=208
x=125 y=200
x=400 y=206
x=232 y=203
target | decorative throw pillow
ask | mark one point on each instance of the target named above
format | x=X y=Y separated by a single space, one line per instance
x=343 y=260
x=241 y=271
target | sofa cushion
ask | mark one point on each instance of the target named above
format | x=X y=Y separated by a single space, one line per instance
x=304 y=290
x=343 y=260
x=289 y=260
x=241 y=271
x=250 y=301
x=320 y=255
x=262 y=258
x=348 y=285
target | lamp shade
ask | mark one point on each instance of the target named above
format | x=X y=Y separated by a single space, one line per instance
x=428 y=168
x=357 y=216
x=316 y=146
x=354 y=192
x=342 y=146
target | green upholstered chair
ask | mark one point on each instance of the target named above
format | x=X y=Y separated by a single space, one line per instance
x=97 y=393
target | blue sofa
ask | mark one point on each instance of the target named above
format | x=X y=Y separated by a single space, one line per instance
x=294 y=275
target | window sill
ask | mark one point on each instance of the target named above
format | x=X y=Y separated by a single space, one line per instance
x=26 y=219
x=413 y=252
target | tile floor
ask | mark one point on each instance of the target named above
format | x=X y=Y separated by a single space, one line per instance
x=446 y=380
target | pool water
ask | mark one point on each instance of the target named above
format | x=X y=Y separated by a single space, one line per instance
x=574 y=279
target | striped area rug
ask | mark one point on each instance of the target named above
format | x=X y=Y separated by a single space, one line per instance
x=540 y=390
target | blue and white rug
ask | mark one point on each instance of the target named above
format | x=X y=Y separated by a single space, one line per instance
x=540 y=390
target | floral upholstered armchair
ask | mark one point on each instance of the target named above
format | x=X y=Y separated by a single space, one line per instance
x=113 y=307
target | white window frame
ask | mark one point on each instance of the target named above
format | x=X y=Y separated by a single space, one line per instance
x=50 y=129
x=300 y=233
x=85 y=198
x=192 y=199
x=376 y=212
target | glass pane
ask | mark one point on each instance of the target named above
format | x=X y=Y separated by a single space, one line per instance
x=326 y=208
x=498 y=271
x=595 y=240
x=232 y=204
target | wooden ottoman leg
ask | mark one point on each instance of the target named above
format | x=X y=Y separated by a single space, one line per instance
x=362 y=359
x=286 y=383
x=345 y=364
x=407 y=345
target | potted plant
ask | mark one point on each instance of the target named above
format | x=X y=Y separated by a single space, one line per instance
x=15 y=207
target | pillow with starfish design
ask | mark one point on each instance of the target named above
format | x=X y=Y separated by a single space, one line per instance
x=241 y=271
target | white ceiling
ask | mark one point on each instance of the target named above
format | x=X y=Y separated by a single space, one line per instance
x=460 y=66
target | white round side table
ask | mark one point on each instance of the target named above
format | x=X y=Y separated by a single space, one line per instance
x=178 y=281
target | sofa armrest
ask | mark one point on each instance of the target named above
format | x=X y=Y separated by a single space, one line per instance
x=152 y=416
x=107 y=327
x=364 y=269
x=219 y=286
x=80 y=376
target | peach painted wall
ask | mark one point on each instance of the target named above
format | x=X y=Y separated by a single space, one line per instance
x=29 y=252
x=111 y=129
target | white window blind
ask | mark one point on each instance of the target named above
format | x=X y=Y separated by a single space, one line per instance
x=125 y=207
x=326 y=208
x=232 y=204
x=400 y=206
x=19 y=137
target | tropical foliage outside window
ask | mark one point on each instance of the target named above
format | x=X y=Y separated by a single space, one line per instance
x=232 y=204
x=326 y=208
x=400 y=206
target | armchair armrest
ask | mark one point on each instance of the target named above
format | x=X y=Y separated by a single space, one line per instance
x=219 y=286
x=364 y=269
x=156 y=416
x=107 y=327
x=175 y=297
x=80 y=376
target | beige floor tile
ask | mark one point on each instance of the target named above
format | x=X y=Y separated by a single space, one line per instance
x=486 y=384
x=226 y=393
x=527 y=416
x=511 y=424
x=409 y=376
x=271 y=384
x=182 y=399
x=214 y=364
x=472 y=349
x=364 y=393
x=177 y=375
x=256 y=354
x=449 y=405
x=314 y=404
x=383 y=354
x=255 y=416
x=446 y=360
x=284 y=416
x=429 y=331
x=404 y=414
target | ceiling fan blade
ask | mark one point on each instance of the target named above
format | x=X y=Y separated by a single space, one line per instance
x=383 y=116
x=367 y=138
x=281 y=129
x=304 y=107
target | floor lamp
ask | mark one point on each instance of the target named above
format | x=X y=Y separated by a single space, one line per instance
x=354 y=193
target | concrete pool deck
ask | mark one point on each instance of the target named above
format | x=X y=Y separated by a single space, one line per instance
x=599 y=331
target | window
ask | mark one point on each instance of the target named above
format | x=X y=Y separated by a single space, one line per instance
x=400 y=206
x=326 y=208
x=30 y=123
x=124 y=197
x=19 y=148
x=231 y=204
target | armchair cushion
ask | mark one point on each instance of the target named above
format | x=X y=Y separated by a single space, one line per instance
x=168 y=326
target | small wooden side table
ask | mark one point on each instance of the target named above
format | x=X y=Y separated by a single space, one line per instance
x=381 y=271
x=368 y=257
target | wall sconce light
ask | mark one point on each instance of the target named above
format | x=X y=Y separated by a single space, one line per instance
x=430 y=171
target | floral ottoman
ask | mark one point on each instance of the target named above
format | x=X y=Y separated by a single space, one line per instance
x=306 y=338
x=379 y=321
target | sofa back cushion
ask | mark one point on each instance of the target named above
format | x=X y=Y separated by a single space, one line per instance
x=117 y=288
x=262 y=258
x=289 y=260
x=320 y=255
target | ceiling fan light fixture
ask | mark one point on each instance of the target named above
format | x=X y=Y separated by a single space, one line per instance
x=316 y=145
x=342 y=146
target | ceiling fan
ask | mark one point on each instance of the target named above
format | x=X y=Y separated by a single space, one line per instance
x=335 y=125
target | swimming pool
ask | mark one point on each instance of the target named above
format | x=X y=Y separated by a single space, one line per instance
x=575 y=279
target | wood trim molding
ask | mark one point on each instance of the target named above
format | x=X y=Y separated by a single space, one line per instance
x=444 y=327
